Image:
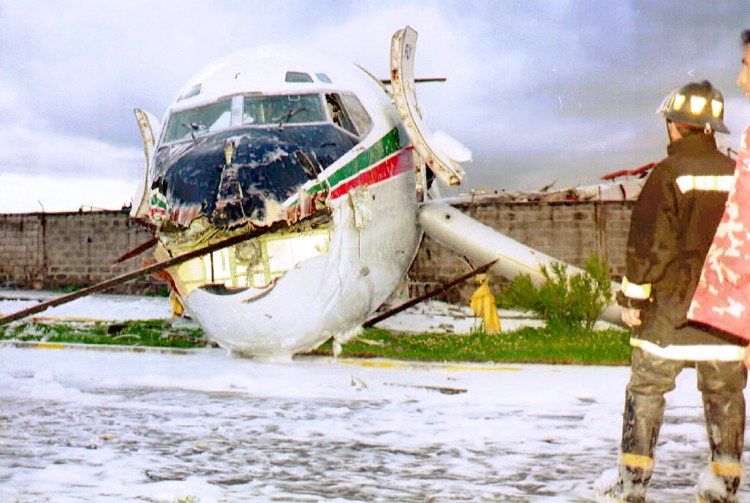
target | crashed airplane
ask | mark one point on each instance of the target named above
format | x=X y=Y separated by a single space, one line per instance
x=257 y=139
x=327 y=150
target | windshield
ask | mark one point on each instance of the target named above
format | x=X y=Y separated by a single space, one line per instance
x=198 y=121
x=284 y=109
x=277 y=110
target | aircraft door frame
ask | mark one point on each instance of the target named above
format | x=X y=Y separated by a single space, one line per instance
x=403 y=48
x=149 y=126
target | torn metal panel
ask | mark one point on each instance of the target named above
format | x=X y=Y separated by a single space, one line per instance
x=360 y=201
x=255 y=263
x=306 y=205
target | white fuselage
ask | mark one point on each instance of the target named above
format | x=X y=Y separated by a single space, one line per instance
x=325 y=296
x=370 y=192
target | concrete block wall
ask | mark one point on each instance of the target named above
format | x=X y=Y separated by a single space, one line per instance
x=57 y=250
x=21 y=260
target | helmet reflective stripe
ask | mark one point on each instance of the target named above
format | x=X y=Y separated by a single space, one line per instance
x=679 y=100
x=697 y=103
x=668 y=101
x=634 y=290
x=720 y=183
x=717 y=108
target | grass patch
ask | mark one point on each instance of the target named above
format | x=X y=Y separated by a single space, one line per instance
x=152 y=333
x=525 y=345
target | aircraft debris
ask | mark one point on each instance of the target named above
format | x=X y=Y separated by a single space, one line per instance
x=440 y=389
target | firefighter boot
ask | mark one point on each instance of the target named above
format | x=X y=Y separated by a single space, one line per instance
x=640 y=429
x=722 y=386
x=719 y=483
x=723 y=476
x=633 y=476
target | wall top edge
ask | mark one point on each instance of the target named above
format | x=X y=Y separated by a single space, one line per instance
x=80 y=212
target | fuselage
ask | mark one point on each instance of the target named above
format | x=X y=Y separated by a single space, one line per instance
x=254 y=140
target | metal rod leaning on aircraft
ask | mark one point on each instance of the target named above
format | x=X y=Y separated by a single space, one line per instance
x=138 y=250
x=160 y=266
x=431 y=293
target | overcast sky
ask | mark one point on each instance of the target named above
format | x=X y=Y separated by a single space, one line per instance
x=540 y=91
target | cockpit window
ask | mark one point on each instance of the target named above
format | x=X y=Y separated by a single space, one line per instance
x=298 y=77
x=200 y=120
x=358 y=114
x=348 y=113
x=283 y=109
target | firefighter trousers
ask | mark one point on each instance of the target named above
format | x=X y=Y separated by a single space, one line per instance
x=722 y=386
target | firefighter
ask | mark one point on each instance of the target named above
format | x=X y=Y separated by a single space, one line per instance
x=671 y=228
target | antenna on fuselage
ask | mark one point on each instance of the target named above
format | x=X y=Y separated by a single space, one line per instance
x=418 y=81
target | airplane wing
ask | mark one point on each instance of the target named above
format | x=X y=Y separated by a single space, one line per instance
x=403 y=47
x=470 y=238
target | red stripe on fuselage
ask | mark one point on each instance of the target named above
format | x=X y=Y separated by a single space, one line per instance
x=394 y=165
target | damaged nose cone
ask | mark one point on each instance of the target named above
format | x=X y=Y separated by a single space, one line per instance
x=245 y=174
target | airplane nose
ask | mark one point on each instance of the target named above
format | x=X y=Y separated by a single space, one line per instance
x=239 y=175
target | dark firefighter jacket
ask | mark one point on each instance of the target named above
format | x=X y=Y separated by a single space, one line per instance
x=671 y=229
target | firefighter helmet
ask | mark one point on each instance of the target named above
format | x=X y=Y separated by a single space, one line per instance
x=697 y=105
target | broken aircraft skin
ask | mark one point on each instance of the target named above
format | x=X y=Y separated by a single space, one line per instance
x=259 y=138
x=265 y=163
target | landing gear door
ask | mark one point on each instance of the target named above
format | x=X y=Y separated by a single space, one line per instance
x=403 y=47
x=150 y=127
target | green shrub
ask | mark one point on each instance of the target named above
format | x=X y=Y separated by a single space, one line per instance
x=562 y=301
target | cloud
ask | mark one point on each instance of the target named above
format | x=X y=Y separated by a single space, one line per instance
x=84 y=64
x=34 y=150
x=25 y=193
x=11 y=96
x=559 y=89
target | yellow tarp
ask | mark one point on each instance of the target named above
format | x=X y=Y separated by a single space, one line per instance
x=483 y=305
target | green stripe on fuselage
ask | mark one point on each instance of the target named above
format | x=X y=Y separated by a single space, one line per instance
x=388 y=145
